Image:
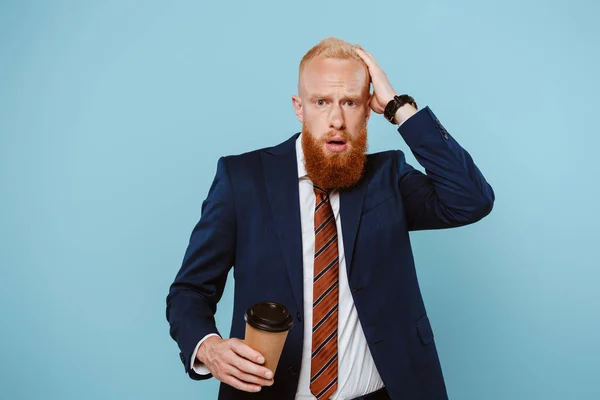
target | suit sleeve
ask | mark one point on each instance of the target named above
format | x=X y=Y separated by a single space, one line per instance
x=199 y=284
x=453 y=192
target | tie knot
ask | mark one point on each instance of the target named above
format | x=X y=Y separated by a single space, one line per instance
x=320 y=192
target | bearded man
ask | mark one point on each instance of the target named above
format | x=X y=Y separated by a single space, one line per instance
x=321 y=227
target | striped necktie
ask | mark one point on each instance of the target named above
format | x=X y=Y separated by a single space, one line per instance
x=324 y=360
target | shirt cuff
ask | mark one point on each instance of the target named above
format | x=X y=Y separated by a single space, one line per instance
x=196 y=365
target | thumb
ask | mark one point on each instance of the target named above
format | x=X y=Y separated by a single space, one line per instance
x=375 y=106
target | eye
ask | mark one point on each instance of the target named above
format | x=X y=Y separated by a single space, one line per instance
x=351 y=103
x=320 y=103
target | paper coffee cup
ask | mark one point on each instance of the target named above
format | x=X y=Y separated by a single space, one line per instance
x=267 y=326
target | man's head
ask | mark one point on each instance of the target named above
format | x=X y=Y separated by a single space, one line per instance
x=333 y=106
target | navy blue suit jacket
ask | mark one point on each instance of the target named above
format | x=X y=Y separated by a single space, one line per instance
x=251 y=220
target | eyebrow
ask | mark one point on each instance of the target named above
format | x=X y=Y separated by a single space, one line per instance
x=324 y=95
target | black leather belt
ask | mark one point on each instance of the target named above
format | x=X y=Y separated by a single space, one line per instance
x=381 y=394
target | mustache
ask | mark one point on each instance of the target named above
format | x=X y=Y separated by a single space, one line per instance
x=337 y=134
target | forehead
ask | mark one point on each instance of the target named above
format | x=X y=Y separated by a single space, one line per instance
x=328 y=74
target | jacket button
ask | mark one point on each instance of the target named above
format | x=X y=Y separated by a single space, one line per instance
x=299 y=316
x=291 y=370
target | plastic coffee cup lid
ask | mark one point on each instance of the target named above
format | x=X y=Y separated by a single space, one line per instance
x=269 y=316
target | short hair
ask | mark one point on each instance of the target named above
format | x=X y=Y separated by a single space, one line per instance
x=332 y=47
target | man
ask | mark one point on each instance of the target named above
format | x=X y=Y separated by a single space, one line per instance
x=319 y=226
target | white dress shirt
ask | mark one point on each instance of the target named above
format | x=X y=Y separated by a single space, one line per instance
x=357 y=373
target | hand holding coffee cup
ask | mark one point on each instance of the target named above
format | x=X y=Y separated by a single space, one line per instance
x=233 y=362
x=249 y=364
x=267 y=326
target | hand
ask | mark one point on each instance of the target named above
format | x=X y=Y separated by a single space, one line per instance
x=235 y=363
x=383 y=92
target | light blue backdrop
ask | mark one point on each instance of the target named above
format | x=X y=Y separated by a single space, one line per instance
x=113 y=115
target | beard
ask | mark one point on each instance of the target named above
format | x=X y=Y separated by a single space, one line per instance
x=330 y=170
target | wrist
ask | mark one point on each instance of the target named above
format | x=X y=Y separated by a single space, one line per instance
x=400 y=108
x=404 y=113
x=204 y=348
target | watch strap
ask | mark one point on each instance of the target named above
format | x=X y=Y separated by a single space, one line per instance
x=393 y=105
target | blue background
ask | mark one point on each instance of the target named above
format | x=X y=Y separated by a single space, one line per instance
x=113 y=115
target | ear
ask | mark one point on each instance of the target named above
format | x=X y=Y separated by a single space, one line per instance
x=297 y=103
x=369 y=108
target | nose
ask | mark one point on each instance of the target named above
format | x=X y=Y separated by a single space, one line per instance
x=336 y=117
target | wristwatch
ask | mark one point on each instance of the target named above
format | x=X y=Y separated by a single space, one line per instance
x=398 y=101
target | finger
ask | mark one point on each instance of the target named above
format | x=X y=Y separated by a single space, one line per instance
x=377 y=109
x=249 y=378
x=367 y=56
x=243 y=350
x=374 y=68
x=248 y=366
x=361 y=53
x=240 y=385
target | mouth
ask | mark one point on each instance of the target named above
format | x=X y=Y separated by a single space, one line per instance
x=336 y=144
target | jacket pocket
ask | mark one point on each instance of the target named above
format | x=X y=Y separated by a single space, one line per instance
x=372 y=204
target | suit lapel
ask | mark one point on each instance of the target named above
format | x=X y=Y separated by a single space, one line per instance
x=351 y=202
x=281 y=176
x=280 y=168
